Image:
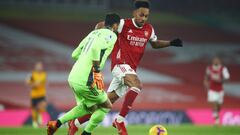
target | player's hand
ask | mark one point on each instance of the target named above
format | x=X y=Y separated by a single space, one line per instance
x=176 y=42
x=98 y=80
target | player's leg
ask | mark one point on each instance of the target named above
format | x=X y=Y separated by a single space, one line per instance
x=34 y=117
x=34 y=112
x=128 y=84
x=103 y=107
x=72 y=128
x=213 y=99
x=116 y=89
x=88 y=105
x=215 y=112
x=80 y=110
x=134 y=87
x=218 y=105
x=112 y=96
x=42 y=105
x=77 y=111
x=97 y=117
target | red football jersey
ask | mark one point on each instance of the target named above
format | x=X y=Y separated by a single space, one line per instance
x=215 y=74
x=131 y=43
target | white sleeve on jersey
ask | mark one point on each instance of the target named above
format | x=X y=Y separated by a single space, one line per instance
x=120 y=27
x=153 y=37
x=225 y=73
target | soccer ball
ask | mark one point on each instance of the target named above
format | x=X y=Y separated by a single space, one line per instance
x=158 y=130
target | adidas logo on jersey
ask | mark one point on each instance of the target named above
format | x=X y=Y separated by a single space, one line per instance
x=130 y=31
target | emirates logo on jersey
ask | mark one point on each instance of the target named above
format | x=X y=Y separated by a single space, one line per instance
x=136 y=41
x=146 y=33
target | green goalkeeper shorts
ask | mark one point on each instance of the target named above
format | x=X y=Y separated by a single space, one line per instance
x=87 y=96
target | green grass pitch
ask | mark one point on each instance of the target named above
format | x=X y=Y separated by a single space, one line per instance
x=134 y=130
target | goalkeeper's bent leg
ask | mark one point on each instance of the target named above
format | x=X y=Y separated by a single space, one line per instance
x=96 y=118
x=77 y=111
x=35 y=115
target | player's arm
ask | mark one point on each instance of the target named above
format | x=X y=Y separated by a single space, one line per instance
x=164 y=43
x=76 y=53
x=155 y=43
x=226 y=75
x=29 y=79
x=97 y=75
x=206 y=79
x=100 y=58
x=106 y=52
x=96 y=51
x=31 y=82
x=109 y=41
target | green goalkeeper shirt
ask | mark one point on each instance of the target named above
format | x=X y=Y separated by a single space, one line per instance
x=95 y=47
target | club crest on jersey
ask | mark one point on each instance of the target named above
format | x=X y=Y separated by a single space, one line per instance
x=146 y=33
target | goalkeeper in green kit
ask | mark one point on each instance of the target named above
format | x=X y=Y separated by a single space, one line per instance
x=85 y=78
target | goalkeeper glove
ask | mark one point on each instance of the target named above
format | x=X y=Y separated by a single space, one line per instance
x=98 y=80
x=176 y=42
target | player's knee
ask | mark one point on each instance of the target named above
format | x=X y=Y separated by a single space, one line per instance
x=132 y=81
x=138 y=84
x=139 y=87
x=135 y=89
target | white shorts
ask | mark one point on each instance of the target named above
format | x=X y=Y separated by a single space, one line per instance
x=214 y=96
x=117 y=83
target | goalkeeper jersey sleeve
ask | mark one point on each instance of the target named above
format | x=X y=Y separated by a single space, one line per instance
x=97 y=46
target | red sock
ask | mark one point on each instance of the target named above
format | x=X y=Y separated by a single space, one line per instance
x=128 y=100
x=84 y=118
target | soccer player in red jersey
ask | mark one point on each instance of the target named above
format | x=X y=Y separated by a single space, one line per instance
x=216 y=75
x=133 y=36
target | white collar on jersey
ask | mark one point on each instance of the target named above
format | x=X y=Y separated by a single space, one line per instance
x=135 y=24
